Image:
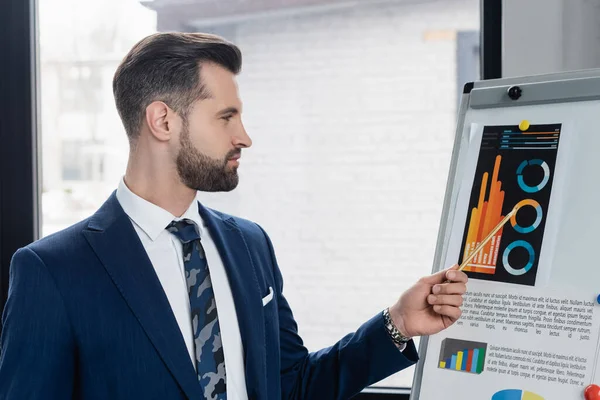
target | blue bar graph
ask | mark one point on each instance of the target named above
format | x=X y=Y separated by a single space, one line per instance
x=475 y=359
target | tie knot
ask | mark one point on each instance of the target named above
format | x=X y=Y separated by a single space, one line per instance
x=185 y=230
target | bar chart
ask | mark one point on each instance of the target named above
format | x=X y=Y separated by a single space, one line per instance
x=483 y=219
x=516 y=140
x=463 y=356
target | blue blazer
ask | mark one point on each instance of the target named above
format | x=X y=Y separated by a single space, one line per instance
x=87 y=318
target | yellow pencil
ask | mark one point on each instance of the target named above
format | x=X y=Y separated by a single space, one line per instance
x=488 y=238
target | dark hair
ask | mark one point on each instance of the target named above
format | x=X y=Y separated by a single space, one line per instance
x=166 y=67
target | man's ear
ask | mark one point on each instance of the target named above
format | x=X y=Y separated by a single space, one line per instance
x=162 y=121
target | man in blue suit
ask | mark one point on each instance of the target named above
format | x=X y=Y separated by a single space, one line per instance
x=158 y=297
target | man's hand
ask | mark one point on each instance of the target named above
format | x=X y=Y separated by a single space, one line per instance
x=431 y=305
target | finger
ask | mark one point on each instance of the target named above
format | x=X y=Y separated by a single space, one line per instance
x=451 y=312
x=440 y=276
x=442 y=300
x=450 y=288
x=456 y=276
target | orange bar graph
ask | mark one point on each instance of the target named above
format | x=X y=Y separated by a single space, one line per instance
x=484 y=218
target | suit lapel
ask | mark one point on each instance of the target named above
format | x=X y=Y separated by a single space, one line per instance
x=117 y=245
x=246 y=295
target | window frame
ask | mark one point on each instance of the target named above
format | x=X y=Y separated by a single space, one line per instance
x=491 y=39
x=19 y=168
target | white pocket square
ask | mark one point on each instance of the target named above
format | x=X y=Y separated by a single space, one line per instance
x=268 y=297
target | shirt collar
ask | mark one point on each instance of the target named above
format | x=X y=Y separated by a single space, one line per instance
x=151 y=218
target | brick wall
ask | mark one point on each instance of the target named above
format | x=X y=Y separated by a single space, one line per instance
x=352 y=114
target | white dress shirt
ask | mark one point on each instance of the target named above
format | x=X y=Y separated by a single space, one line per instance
x=166 y=254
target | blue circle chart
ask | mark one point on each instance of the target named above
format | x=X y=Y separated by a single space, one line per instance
x=533 y=189
x=516 y=394
x=538 y=218
x=511 y=247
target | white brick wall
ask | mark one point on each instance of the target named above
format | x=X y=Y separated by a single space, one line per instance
x=352 y=117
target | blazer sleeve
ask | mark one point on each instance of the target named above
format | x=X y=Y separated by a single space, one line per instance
x=36 y=348
x=342 y=370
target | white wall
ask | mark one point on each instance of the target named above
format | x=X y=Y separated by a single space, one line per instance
x=353 y=116
x=544 y=36
x=532 y=37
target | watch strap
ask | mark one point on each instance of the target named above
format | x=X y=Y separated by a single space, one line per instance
x=398 y=338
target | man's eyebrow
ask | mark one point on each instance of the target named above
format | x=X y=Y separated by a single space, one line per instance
x=228 y=110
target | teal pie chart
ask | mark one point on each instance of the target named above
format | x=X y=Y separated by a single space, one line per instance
x=536 y=188
x=516 y=394
x=514 y=245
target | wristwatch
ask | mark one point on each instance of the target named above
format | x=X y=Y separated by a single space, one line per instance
x=398 y=338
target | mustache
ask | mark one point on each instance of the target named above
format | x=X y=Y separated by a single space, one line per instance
x=233 y=153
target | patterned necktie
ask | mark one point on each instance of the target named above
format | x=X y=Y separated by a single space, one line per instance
x=210 y=361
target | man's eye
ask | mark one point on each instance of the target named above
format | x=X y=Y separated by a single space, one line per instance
x=227 y=117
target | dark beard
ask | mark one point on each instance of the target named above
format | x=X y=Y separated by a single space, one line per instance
x=201 y=172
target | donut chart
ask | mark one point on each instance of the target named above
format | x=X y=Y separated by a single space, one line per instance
x=514 y=245
x=516 y=394
x=538 y=218
x=533 y=189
